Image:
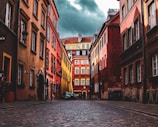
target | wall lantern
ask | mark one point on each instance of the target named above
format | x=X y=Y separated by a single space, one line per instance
x=24 y=33
x=2 y=38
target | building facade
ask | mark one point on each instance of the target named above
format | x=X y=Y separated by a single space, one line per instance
x=31 y=49
x=105 y=58
x=78 y=49
x=66 y=78
x=8 y=43
x=53 y=52
x=132 y=60
x=151 y=49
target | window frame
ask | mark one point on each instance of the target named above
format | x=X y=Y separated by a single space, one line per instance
x=8 y=14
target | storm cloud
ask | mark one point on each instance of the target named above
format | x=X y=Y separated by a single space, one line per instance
x=78 y=17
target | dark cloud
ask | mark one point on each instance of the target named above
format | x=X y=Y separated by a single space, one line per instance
x=73 y=21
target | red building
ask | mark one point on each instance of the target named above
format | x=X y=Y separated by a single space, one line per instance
x=151 y=50
x=132 y=61
x=78 y=50
x=105 y=58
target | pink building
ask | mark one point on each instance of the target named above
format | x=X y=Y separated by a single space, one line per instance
x=53 y=52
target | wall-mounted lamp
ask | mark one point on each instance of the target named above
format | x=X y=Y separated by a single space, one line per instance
x=2 y=38
x=24 y=33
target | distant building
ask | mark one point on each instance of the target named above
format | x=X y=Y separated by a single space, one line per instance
x=78 y=50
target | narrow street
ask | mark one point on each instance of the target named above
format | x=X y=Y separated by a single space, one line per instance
x=77 y=113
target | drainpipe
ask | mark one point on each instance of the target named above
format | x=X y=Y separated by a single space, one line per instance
x=144 y=55
x=16 y=31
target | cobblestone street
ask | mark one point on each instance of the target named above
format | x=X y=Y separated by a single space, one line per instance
x=75 y=113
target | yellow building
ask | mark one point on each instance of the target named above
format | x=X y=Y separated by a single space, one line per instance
x=66 y=79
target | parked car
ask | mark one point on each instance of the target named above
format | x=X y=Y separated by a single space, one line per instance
x=68 y=96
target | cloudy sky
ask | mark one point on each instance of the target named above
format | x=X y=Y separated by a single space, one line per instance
x=82 y=16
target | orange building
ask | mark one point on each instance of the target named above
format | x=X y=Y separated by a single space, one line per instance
x=53 y=52
x=31 y=49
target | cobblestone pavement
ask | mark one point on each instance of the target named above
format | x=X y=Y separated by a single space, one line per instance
x=75 y=113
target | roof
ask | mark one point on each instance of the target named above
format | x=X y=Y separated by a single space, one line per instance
x=75 y=39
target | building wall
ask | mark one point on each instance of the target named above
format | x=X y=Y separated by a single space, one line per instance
x=53 y=62
x=28 y=58
x=151 y=44
x=66 y=79
x=131 y=53
x=8 y=44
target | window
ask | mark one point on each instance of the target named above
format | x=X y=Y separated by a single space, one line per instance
x=76 y=82
x=33 y=45
x=124 y=42
x=48 y=33
x=22 y=29
x=53 y=41
x=155 y=65
x=47 y=59
x=136 y=30
x=130 y=36
x=43 y=19
x=87 y=46
x=76 y=70
x=131 y=74
x=53 y=64
x=35 y=7
x=82 y=82
x=41 y=48
x=123 y=12
x=152 y=14
x=82 y=70
x=77 y=53
x=87 y=71
x=48 y=9
x=31 y=78
x=87 y=82
x=125 y=77
x=76 y=62
x=138 y=71
x=83 y=46
x=129 y=4
x=82 y=62
x=83 y=52
x=8 y=15
x=20 y=74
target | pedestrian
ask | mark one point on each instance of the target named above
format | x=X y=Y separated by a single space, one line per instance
x=53 y=96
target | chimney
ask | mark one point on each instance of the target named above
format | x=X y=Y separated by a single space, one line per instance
x=79 y=37
x=111 y=12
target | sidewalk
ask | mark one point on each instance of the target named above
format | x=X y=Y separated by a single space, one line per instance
x=150 y=109
x=20 y=104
